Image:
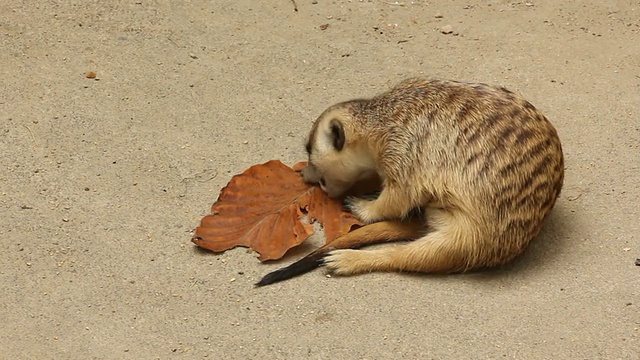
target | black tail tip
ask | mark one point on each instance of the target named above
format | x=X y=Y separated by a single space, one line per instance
x=299 y=267
x=271 y=278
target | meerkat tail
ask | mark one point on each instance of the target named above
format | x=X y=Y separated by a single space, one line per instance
x=379 y=232
x=299 y=267
x=383 y=231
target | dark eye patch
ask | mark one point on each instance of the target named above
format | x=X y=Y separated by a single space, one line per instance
x=308 y=148
x=337 y=134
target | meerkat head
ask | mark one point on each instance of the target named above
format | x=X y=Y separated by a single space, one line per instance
x=339 y=155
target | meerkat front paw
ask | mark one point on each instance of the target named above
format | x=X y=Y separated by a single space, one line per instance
x=362 y=209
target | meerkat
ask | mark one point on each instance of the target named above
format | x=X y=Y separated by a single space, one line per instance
x=482 y=165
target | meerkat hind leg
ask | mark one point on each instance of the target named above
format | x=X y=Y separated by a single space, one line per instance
x=430 y=254
x=447 y=248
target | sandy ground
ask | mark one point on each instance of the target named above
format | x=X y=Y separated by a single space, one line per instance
x=103 y=181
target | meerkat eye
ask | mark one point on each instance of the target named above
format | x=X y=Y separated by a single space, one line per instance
x=337 y=134
x=308 y=148
x=322 y=182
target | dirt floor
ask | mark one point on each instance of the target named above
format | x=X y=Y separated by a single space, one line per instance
x=103 y=180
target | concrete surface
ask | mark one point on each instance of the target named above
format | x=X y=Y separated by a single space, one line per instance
x=102 y=181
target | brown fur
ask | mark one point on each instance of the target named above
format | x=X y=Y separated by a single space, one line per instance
x=483 y=165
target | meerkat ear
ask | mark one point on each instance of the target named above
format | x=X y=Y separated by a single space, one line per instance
x=337 y=134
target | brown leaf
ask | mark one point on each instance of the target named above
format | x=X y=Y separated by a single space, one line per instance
x=335 y=221
x=262 y=209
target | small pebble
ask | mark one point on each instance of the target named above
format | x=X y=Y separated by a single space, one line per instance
x=447 y=29
x=90 y=74
x=438 y=16
x=637 y=262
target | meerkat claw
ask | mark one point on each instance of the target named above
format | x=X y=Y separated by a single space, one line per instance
x=348 y=203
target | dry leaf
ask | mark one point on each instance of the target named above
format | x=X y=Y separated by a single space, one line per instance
x=263 y=209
